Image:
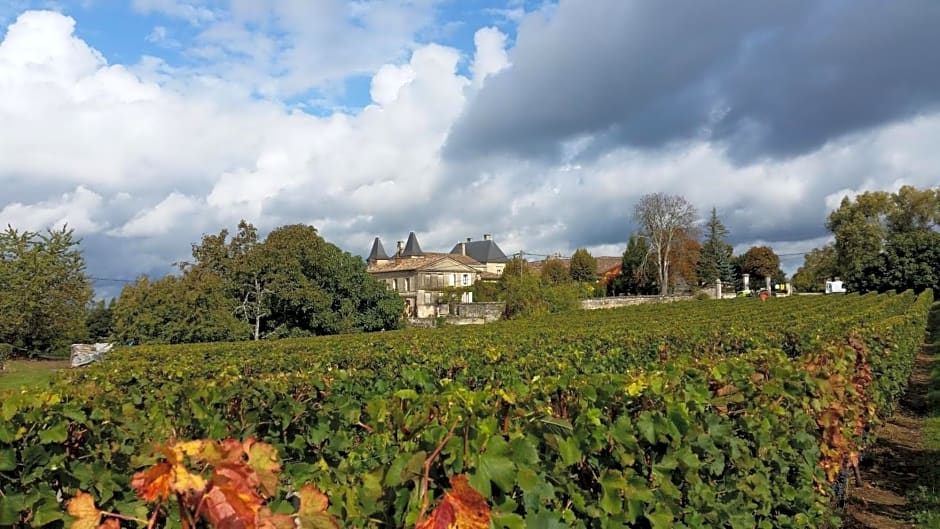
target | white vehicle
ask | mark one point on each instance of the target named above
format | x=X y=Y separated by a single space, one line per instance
x=835 y=287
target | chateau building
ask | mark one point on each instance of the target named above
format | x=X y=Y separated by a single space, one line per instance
x=427 y=280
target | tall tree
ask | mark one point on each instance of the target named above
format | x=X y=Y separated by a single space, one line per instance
x=44 y=291
x=663 y=219
x=685 y=262
x=863 y=226
x=819 y=265
x=554 y=272
x=583 y=267
x=715 y=258
x=187 y=308
x=914 y=209
x=910 y=260
x=634 y=277
x=319 y=289
x=761 y=262
x=293 y=283
x=860 y=230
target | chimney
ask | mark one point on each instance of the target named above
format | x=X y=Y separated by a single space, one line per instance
x=463 y=248
x=487 y=236
x=401 y=247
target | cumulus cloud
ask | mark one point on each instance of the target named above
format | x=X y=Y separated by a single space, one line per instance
x=163 y=218
x=76 y=210
x=290 y=47
x=144 y=158
x=763 y=79
x=491 y=56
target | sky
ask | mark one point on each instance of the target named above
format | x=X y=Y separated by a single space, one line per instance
x=145 y=124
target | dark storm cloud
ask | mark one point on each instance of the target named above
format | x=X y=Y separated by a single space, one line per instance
x=768 y=78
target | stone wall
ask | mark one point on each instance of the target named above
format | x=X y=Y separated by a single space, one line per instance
x=490 y=311
x=626 y=301
x=462 y=314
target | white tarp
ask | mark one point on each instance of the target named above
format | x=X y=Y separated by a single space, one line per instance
x=84 y=354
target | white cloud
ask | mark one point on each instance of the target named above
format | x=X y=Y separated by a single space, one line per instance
x=291 y=47
x=388 y=81
x=75 y=209
x=160 y=36
x=163 y=218
x=491 y=56
x=179 y=154
x=192 y=12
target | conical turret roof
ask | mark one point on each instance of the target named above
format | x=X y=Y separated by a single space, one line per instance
x=412 y=248
x=378 y=251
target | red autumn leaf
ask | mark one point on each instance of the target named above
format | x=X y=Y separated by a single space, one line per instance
x=82 y=508
x=462 y=508
x=312 y=512
x=154 y=483
x=232 y=501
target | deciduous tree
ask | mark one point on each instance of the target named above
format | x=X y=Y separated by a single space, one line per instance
x=44 y=290
x=663 y=219
x=819 y=265
x=293 y=283
x=761 y=262
x=554 y=272
x=864 y=225
x=685 y=262
x=910 y=260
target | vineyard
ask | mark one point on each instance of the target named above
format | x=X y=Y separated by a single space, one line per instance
x=735 y=413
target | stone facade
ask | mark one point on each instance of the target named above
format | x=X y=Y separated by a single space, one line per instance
x=428 y=281
x=423 y=281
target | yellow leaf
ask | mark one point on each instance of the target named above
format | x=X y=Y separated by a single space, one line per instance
x=262 y=458
x=312 y=513
x=82 y=508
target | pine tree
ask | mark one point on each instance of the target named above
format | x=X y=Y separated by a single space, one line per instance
x=715 y=259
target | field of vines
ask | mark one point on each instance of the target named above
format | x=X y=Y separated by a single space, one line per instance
x=737 y=413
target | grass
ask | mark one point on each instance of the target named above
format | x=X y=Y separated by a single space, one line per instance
x=21 y=374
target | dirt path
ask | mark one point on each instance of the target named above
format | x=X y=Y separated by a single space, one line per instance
x=899 y=464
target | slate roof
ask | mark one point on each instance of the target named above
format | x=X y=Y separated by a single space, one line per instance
x=378 y=251
x=486 y=251
x=412 y=248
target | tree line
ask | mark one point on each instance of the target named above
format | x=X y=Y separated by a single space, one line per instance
x=881 y=241
x=236 y=287
x=294 y=283
x=239 y=287
x=670 y=251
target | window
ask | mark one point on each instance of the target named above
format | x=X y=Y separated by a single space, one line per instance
x=395 y=284
x=407 y=284
x=427 y=280
x=465 y=280
x=427 y=298
x=452 y=280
